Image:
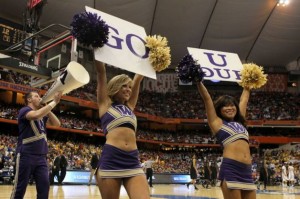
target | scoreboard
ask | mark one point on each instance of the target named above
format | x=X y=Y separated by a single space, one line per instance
x=10 y=33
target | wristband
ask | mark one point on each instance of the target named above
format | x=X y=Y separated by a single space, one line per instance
x=52 y=104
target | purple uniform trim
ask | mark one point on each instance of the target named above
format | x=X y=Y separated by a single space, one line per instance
x=116 y=116
x=113 y=158
x=27 y=165
x=236 y=174
x=230 y=132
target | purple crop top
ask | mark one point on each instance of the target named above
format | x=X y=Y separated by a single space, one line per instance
x=230 y=132
x=116 y=116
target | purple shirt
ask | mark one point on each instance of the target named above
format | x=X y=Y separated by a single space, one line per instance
x=32 y=134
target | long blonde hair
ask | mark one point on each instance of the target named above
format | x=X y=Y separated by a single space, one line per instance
x=116 y=83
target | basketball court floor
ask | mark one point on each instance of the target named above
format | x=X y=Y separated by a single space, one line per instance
x=157 y=192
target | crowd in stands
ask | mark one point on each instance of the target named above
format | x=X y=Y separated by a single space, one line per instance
x=276 y=158
x=262 y=106
x=180 y=136
x=74 y=121
x=68 y=120
x=188 y=104
x=9 y=111
x=7 y=153
x=80 y=123
x=78 y=154
x=203 y=136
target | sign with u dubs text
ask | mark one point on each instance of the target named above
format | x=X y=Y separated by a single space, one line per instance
x=125 y=47
x=217 y=65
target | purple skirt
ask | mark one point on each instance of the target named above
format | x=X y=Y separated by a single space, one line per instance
x=237 y=175
x=117 y=163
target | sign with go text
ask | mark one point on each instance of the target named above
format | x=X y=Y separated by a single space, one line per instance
x=217 y=65
x=125 y=47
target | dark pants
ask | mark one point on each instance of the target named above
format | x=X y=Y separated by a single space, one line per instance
x=55 y=173
x=63 y=172
x=51 y=179
x=149 y=174
x=264 y=179
x=26 y=165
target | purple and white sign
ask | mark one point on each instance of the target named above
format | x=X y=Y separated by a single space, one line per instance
x=125 y=47
x=218 y=65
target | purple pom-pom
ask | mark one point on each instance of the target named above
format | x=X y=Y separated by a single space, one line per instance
x=188 y=70
x=89 y=29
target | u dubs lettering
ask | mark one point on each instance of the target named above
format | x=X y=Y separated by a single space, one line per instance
x=212 y=61
x=221 y=71
x=124 y=110
x=116 y=42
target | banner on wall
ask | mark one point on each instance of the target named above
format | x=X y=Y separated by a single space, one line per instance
x=82 y=177
x=166 y=82
x=125 y=47
x=217 y=65
x=16 y=87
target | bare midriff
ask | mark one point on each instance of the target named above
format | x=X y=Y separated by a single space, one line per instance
x=239 y=151
x=123 y=138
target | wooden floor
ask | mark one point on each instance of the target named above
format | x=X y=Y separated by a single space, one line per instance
x=157 y=192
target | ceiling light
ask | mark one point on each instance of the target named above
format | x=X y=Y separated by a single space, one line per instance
x=283 y=2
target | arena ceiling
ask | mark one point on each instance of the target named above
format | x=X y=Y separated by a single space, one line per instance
x=257 y=30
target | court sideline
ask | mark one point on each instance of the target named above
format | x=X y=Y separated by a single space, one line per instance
x=160 y=191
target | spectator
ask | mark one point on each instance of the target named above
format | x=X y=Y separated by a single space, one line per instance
x=93 y=163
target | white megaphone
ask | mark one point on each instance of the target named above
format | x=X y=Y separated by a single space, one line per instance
x=74 y=76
